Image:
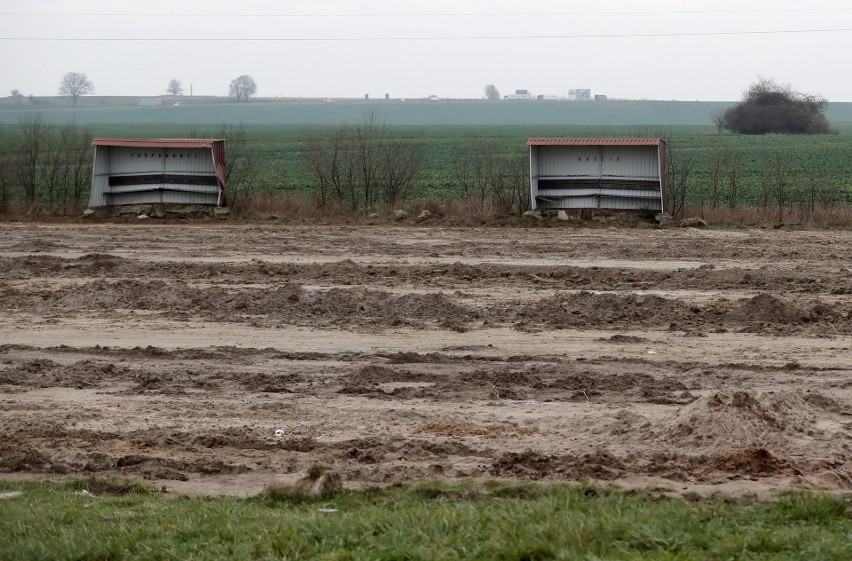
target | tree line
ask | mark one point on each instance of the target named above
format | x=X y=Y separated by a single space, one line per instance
x=77 y=84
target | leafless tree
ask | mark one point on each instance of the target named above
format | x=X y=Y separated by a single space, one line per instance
x=51 y=168
x=816 y=189
x=241 y=171
x=53 y=163
x=470 y=171
x=716 y=173
x=718 y=119
x=775 y=186
x=809 y=192
x=679 y=167
x=398 y=167
x=6 y=168
x=174 y=87
x=242 y=87
x=75 y=84
x=28 y=146
x=485 y=173
x=733 y=173
x=75 y=159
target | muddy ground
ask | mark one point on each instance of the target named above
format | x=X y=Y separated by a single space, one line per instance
x=206 y=357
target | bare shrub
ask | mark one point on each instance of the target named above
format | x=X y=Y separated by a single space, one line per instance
x=484 y=173
x=824 y=216
x=769 y=107
x=6 y=167
x=679 y=168
x=363 y=165
x=241 y=171
x=289 y=206
x=65 y=167
x=30 y=139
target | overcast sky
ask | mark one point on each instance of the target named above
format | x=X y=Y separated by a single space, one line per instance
x=634 y=49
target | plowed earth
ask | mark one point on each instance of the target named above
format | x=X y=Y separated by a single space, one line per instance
x=209 y=356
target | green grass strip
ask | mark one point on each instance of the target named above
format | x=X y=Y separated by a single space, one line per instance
x=113 y=520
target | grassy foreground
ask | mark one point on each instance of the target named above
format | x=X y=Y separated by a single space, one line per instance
x=98 y=519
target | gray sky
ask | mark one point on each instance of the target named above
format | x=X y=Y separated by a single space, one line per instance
x=634 y=49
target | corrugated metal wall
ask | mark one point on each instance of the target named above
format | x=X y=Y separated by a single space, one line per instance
x=100 y=177
x=612 y=177
x=117 y=162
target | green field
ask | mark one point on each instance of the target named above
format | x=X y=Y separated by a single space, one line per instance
x=446 y=130
x=107 y=111
x=95 y=110
x=114 y=520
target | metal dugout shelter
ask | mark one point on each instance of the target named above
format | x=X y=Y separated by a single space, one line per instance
x=130 y=171
x=604 y=173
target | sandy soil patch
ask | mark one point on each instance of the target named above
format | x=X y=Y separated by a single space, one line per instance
x=209 y=356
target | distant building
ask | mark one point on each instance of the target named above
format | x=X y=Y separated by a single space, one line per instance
x=600 y=97
x=519 y=94
x=580 y=94
x=547 y=97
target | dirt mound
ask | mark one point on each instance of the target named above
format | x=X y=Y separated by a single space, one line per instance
x=762 y=313
x=588 y=309
x=768 y=313
x=99 y=261
x=23 y=373
x=153 y=467
x=472 y=429
x=757 y=462
x=293 y=304
x=424 y=306
x=13 y=299
x=623 y=339
x=533 y=465
x=766 y=308
x=741 y=419
x=43 y=373
x=30 y=265
x=408 y=357
x=625 y=383
x=256 y=302
x=825 y=403
x=502 y=377
x=269 y=383
x=383 y=308
x=288 y=303
x=373 y=374
x=132 y=294
x=91 y=374
x=15 y=457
